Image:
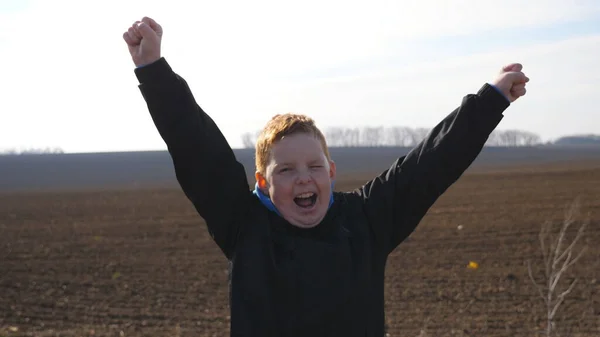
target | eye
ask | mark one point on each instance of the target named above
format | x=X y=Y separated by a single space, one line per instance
x=316 y=166
x=285 y=169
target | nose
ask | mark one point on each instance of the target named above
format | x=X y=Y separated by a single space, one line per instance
x=303 y=177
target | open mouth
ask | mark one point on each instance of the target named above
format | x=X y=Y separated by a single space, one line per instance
x=306 y=200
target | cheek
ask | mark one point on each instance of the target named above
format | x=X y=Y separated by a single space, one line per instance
x=281 y=189
x=323 y=178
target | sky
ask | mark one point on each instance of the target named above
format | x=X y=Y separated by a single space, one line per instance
x=67 y=80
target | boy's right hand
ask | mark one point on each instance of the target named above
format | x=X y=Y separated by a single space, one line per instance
x=143 y=39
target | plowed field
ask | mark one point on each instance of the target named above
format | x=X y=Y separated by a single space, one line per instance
x=140 y=263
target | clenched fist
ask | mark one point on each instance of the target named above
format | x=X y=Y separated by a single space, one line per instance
x=511 y=81
x=143 y=40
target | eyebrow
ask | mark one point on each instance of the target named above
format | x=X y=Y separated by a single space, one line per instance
x=314 y=161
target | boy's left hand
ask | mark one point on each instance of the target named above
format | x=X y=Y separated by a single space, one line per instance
x=511 y=81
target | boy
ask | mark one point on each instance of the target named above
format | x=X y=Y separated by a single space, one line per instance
x=306 y=261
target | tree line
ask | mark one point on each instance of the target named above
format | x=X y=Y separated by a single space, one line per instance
x=399 y=136
x=46 y=150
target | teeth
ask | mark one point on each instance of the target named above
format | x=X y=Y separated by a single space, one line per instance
x=305 y=195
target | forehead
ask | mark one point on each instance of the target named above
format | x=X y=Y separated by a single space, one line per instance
x=296 y=147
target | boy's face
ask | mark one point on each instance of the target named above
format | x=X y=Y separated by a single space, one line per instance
x=298 y=179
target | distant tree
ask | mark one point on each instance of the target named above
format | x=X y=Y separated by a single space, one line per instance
x=513 y=138
x=578 y=140
x=8 y=152
x=418 y=135
x=508 y=137
x=30 y=151
x=530 y=138
x=335 y=136
x=373 y=136
x=249 y=139
x=400 y=136
x=493 y=139
x=351 y=137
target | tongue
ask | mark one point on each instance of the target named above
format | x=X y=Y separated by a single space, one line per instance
x=303 y=202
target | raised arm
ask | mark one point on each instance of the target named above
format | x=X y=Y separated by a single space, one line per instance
x=205 y=165
x=397 y=200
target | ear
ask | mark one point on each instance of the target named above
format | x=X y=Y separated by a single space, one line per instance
x=262 y=182
x=332 y=170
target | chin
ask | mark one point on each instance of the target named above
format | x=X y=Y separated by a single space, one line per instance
x=307 y=218
x=305 y=225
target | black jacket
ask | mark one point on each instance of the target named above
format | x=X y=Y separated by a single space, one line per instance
x=328 y=280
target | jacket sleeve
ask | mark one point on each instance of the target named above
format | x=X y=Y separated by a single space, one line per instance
x=205 y=165
x=397 y=199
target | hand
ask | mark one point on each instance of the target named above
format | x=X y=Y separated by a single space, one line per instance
x=511 y=81
x=143 y=40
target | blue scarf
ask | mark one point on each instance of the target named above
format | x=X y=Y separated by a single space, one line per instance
x=266 y=201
